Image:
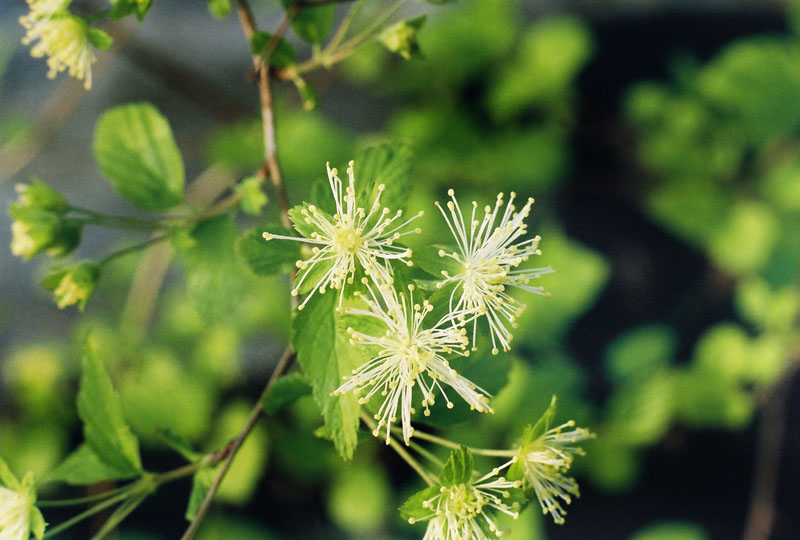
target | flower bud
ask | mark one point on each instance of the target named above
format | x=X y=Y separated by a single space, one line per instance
x=73 y=284
x=19 y=518
x=35 y=230
x=252 y=198
x=401 y=38
x=39 y=195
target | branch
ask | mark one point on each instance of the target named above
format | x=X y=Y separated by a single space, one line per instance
x=761 y=515
x=230 y=450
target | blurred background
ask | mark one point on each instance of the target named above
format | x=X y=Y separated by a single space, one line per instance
x=661 y=140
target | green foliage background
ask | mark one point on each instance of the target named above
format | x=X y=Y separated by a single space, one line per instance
x=494 y=103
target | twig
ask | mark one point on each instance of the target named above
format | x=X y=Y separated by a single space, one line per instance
x=413 y=463
x=761 y=515
x=232 y=447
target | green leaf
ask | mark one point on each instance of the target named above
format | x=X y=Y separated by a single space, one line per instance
x=412 y=510
x=326 y=356
x=201 y=483
x=387 y=164
x=313 y=24
x=542 y=425
x=214 y=278
x=37 y=523
x=178 y=443
x=100 y=409
x=123 y=8
x=640 y=353
x=281 y=57
x=7 y=478
x=136 y=152
x=457 y=469
x=299 y=220
x=286 y=391
x=267 y=257
x=671 y=530
x=100 y=39
x=219 y=8
x=757 y=223
x=83 y=467
x=251 y=197
x=428 y=258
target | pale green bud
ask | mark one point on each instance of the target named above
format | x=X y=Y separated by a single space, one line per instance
x=73 y=284
x=401 y=38
x=252 y=198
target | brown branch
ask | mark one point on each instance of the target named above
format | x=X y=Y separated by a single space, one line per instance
x=761 y=514
x=229 y=451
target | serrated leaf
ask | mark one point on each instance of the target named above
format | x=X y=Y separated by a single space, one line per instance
x=136 y=152
x=428 y=258
x=83 y=467
x=214 y=277
x=286 y=391
x=299 y=219
x=326 y=356
x=100 y=409
x=268 y=257
x=458 y=468
x=387 y=164
x=413 y=509
x=201 y=483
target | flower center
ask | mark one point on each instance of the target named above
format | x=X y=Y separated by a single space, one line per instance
x=347 y=239
x=463 y=502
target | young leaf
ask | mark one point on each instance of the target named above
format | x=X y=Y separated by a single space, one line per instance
x=542 y=425
x=100 y=39
x=286 y=391
x=326 y=356
x=7 y=478
x=387 y=164
x=214 y=278
x=281 y=57
x=413 y=509
x=268 y=257
x=219 y=8
x=314 y=23
x=100 y=409
x=136 y=152
x=83 y=467
x=457 y=469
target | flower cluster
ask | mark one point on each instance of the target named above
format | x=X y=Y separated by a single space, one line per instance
x=65 y=39
x=489 y=254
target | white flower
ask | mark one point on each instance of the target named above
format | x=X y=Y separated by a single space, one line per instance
x=409 y=355
x=45 y=8
x=489 y=256
x=22 y=243
x=63 y=38
x=544 y=462
x=349 y=239
x=464 y=511
x=15 y=511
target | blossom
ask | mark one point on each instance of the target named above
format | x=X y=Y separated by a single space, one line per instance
x=543 y=461
x=488 y=256
x=73 y=285
x=15 y=510
x=409 y=355
x=465 y=511
x=62 y=37
x=349 y=239
x=45 y=8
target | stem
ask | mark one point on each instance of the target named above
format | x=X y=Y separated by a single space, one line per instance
x=230 y=450
x=80 y=500
x=450 y=444
x=421 y=450
x=772 y=429
x=342 y=30
x=131 y=249
x=413 y=463
x=88 y=513
x=120 y=222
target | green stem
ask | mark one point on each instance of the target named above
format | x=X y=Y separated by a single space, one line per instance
x=413 y=463
x=450 y=444
x=427 y=454
x=123 y=222
x=131 y=249
x=368 y=32
x=89 y=513
x=342 y=30
x=80 y=500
